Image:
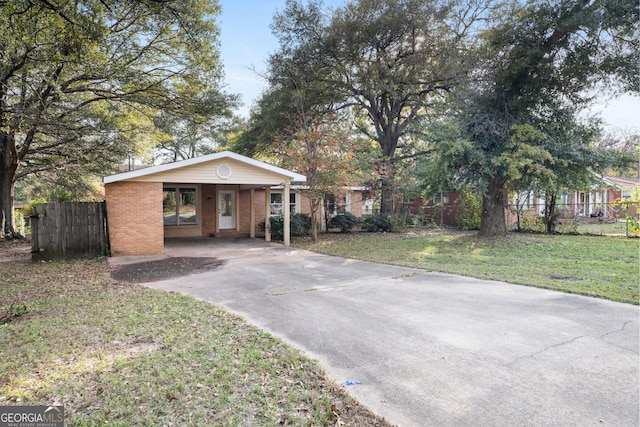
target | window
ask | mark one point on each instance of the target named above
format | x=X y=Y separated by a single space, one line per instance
x=441 y=199
x=276 y=203
x=179 y=205
x=531 y=201
x=335 y=205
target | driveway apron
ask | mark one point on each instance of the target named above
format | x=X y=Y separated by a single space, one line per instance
x=434 y=349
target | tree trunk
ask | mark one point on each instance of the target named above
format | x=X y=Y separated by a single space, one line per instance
x=314 y=204
x=550 y=214
x=8 y=167
x=492 y=219
x=386 y=202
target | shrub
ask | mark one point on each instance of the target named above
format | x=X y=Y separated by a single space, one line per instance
x=423 y=220
x=534 y=223
x=378 y=222
x=344 y=221
x=398 y=222
x=469 y=210
x=300 y=225
x=569 y=227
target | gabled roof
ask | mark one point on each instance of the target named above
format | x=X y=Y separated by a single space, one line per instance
x=293 y=176
x=623 y=183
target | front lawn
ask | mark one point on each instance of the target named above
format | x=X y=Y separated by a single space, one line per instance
x=119 y=354
x=605 y=267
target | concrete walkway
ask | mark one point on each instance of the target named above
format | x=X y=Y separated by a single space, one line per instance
x=433 y=349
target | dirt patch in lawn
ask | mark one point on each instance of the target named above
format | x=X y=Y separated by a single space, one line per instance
x=163 y=269
x=15 y=251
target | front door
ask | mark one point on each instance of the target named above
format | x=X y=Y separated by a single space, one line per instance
x=227 y=210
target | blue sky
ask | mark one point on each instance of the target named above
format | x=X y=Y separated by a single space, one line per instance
x=246 y=42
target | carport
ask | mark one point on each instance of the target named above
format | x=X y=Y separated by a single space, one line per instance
x=218 y=195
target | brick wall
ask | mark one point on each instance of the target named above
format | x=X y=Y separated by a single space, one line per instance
x=209 y=209
x=355 y=203
x=305 y=204
x=244 y=213
x=259 y=203
x=134 y=212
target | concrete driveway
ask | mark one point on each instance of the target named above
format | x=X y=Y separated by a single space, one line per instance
x=430 y=348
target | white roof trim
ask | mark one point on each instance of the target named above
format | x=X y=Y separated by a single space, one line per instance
x=306 y=187
x=197 y=160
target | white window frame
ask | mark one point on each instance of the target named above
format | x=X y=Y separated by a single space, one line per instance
x=276 y=209
x=441 y=198
x=336 y=203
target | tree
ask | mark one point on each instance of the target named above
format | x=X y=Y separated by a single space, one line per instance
x=316 y=142
x=541 y=64
x=194 y=131
x=321 y=149
x=388 y=61
x=80 y=83
x=625 y=142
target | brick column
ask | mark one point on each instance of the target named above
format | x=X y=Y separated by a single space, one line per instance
x=134 y=214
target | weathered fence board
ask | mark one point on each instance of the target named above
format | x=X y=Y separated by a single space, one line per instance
x=69 y=230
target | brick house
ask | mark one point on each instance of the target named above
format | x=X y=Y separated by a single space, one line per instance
x=218 y=195
x=599 y=202
x=221 y=194
x=442 y=209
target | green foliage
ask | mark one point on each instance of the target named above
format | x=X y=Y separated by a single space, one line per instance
x=469 y=209
x=11 y=312
x=569 y=227
x=345 y=222
x=300 y=225
x=533 y=223
x=378 y=222
x=633 y=226
x=398 y=222
x=633 y=219
x=389 y=62
x=538 y=65
x=30 y=208
x=81 y=83
x=423 y=220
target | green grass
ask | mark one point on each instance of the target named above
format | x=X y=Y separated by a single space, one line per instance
x=605 y=267
x=605 y=229
x=123 y=355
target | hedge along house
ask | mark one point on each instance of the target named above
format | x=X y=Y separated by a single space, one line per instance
x=213 y=195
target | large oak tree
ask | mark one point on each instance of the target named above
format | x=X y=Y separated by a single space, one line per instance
x=386 y=61
x=544 y=62
x=81 y=81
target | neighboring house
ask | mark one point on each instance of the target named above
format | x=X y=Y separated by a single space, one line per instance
x=597 y=201
x=625 y=190
x=441 y=209
x=218 y=195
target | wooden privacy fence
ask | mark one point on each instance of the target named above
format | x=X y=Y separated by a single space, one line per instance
x=69 y=230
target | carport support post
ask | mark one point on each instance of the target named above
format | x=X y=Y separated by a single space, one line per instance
x=252 y=213
x=287 y=214
x=267 y=214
